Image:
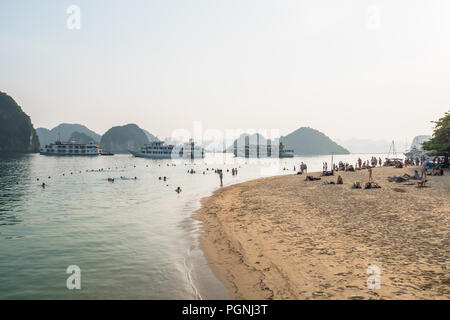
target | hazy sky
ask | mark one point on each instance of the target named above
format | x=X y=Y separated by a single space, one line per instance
x=371 y=69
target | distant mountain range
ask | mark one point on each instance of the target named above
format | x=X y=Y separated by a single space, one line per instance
x=365 y=145
x=120 y=139
x=379 y=146
x=304 y=141
x=64 y=132
x=309 y=141
x=81 y=138
x=150 y=137
x=17 y=133
x=117 y=139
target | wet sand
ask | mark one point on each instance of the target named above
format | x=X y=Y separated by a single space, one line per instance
x=286 y=238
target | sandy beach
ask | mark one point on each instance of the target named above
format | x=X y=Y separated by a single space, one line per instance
x=286 y=238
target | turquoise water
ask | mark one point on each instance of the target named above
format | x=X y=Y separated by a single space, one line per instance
x=132 y=239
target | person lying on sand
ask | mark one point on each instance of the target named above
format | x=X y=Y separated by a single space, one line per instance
x=371 y=185
x=415 y=176
x=356 y=185
x=311 y=178
x=397 y=179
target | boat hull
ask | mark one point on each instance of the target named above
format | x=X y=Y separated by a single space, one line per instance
x=68 y=154
x=165 y=156
x=286 y=156
x=149 y=156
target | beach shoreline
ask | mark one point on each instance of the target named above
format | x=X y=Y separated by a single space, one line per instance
x=286 y=238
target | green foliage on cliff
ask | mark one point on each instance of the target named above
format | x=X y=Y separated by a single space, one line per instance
x=16 y=130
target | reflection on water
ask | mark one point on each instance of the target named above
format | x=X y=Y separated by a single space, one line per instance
x=132 y=239
x=13 y=169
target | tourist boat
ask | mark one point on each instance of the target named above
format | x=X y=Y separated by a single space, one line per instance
x=160 y=150
x=263 y=150
x=414 y=152
x=71 y=149
x=106 y=153
x=285 y=153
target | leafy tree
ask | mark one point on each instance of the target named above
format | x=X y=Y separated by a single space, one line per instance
x=440 y=143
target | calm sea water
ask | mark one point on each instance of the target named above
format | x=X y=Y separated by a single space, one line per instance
x=132 y=239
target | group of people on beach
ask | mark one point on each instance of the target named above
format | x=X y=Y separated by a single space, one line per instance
x=234 y=172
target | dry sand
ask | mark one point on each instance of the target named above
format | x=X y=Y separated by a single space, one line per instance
x=285 y=238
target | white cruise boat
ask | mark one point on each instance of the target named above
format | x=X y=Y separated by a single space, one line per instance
x=160 y=150
x=71 y=149
x=285 y=153
x=268 y=150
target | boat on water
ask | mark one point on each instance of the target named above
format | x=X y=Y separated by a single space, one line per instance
x=106 y=153
x=161 y=150
x=284 y=152
x=263 y=151
x=415 y=152
x=71 y=149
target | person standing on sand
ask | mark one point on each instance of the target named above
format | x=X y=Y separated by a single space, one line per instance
x=370 y=173
x=423 y=171
x=221 y=178
x=359 y=163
